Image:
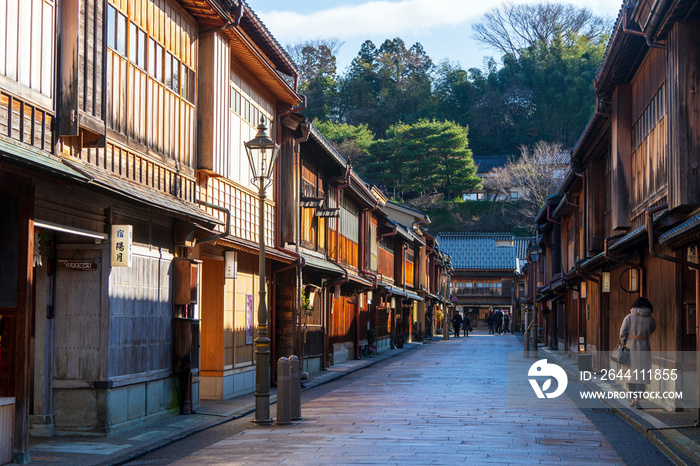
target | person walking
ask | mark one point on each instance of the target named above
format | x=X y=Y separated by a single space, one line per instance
x=506 y=323
x=491 y=320
x=456 y=323
x=466 y=324
x=499 y=322
x=636 y=328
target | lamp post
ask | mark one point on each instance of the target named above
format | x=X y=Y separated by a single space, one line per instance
x=534 y=252
x=262 y=154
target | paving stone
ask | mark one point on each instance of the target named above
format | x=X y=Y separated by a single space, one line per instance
x=443 y=404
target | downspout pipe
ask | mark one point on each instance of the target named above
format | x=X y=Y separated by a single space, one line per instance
x=392 y=316
x=391 y=233
x=232 y=18
x=549 y=218
x=653 y=23
x=652 y=240
x=609 y=257
x=227 y=227
x=652 y=250
x=299 y=261
x=413 y=225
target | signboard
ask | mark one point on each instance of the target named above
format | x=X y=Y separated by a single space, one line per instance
x=454 y=299
x=230 y=264
x=249 y=319
x=79 y=264
x=606 y=282
x=122 y=238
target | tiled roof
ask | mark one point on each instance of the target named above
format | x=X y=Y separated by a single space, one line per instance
x=478 y=251
x=142 y=194
x=486 y=163
x=563 y=157
x=521 y=244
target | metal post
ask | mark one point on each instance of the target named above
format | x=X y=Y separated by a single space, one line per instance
x=295 y=392
x=533 y=332
x=283 y=392
x=262 y=342
x=535 y=323
x=526 y=346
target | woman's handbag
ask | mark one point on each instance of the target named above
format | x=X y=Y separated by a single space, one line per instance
x=621 y=355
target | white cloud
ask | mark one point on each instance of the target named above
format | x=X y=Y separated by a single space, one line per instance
x=384 y=18
x=374 y=18
x=443 y=27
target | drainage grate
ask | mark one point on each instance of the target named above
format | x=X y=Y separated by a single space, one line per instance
x=568 y=442
x=602 y=410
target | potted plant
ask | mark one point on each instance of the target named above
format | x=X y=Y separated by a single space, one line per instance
x=307 y=308
x=371 y=342
x=400 y=340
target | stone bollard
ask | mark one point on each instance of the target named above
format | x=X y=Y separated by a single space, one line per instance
x=283 y=393
x=295 y=382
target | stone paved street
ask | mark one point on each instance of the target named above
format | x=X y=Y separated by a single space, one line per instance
x=442 y=404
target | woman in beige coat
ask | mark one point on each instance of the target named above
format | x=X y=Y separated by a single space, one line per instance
x=636 y=328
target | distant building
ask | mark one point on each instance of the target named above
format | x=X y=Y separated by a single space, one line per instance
x=486 y=271
x=487 y=167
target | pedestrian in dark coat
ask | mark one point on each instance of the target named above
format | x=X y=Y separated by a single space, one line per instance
x=499 y=322
x=506 y=323
x=466 y=324
x=456 y=323
x=635 y=329
x=491 y=320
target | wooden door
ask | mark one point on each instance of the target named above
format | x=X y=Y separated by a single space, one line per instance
x=212 y=315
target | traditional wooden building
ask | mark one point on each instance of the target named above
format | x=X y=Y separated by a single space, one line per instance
x=305 y=293
x=241 y=80
x=625 y=215
x=101 y=190
x=130 y=273
x=485 y=271
x=437 y=266
x=407 y=290
x=27 y=138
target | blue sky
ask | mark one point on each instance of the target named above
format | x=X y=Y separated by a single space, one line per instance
x=443 y=27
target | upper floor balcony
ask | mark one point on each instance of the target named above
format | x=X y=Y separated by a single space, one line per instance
x=475 y=292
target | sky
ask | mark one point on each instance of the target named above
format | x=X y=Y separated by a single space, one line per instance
x=443 y=27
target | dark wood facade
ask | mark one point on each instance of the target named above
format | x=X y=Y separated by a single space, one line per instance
x=631 y=195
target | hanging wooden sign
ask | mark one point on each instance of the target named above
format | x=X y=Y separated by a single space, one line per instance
x=122 y=238
x=79 y=264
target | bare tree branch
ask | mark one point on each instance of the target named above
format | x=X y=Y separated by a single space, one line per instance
x=511 y=28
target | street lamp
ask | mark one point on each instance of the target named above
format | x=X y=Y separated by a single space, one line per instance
x=534 y=251
x=262 y=154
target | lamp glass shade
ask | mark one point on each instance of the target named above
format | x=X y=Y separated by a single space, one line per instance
x=262 y=152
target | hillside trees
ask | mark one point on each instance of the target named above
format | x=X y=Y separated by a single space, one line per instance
x=535 y=174
x=541 y=89
x=318 y=78
x=351 y=141
x=385 y=85
x=512 y=28
x=426 y=157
